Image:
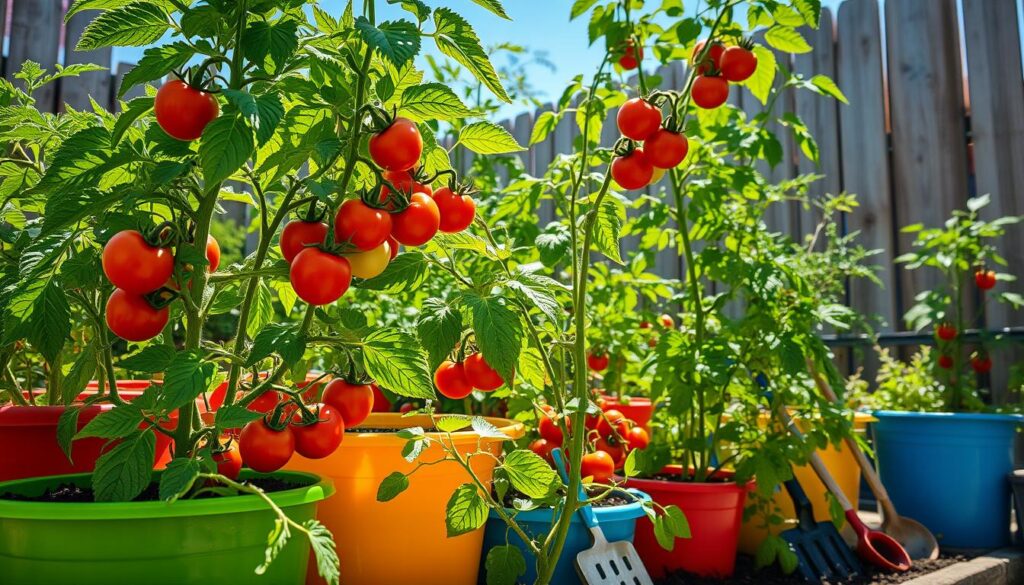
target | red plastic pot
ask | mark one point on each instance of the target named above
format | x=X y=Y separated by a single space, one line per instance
x=28 y=438
x=636 y=408
x=714 y=512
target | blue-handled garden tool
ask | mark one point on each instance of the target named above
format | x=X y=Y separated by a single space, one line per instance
x=605 y=563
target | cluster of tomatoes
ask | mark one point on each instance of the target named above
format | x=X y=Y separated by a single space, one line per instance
x=457 y=379
x=287 y=427
x=946 y=333
x=610 y=433
x=369 y=229
x=139 y=269
x=664 y=147
x=720 y=66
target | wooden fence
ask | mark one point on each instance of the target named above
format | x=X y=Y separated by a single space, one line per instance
x=920 y=136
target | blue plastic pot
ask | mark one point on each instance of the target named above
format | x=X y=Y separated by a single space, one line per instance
x=618 y=523
x=948 y=471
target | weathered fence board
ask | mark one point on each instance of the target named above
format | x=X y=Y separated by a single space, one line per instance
x=35 y=36
x=75 y=92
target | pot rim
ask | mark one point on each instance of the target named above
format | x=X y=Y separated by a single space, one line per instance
x=319 y=489
x=512 y=429
x=972 y=416
x=630 y=511
x=649 y=484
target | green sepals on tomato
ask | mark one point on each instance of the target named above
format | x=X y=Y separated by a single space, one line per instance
x=183 y=111
x=134 y=265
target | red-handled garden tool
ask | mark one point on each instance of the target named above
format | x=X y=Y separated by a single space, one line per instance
x=873 y=546
x=918 y=541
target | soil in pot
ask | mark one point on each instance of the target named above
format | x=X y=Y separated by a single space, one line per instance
x=746 y=574
x=70 y=492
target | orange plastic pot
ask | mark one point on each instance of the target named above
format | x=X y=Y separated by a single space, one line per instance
x=714 y=512
x=636 y=408
x=844 y=469
x=404 y=540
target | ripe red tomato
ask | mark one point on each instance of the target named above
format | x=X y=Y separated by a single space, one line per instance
x=543 y=448
x=132 y=318
x=548 y=427
x=416 y=224
x=265 y=402
x=945 y=362
x=183 y=112
x=666 y=149
x=354 y=402
x=612 y=419
x=709 y=92
x=321 y=438
x=712 y=61
x=645 y=325
x=134 y=266
x=451 y=381
x=981 y=364
x=298 y=234
x=614 y=449
x=597 y=362
x=599 y=465
x=407 y=407
x=265 y=449
x=392 y=247
x=632 y=171
x=737 y=64
x=398 y=147
x=361 y=225
x=212 y=253
x=631 y=55
x=481 y=375
x=457 y=211
x=667 y=321
x=946 y=332
x=638 y=119
x=637 y=438
x=319 y=278
x=985 y=279
x=229 y=462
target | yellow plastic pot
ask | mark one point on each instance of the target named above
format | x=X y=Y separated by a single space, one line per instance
x=844 y=470
x=404 y=540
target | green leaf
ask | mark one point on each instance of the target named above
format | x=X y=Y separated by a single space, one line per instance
x=395 y=483
x=79 y=376
x=433 y=101
x=278 y=40
x=269 y=112
x=226 y=144
x=406 y=272
x=67 y=426
x=398 y=41
x=451 y=424
x=262 y=311
x=152 y=359
x=235 y=417
x=760 y=83
x=786 y=39
x=439 y=328
x=663 y=535
x=123 y=472
x=493 y=6
x=134 y=110
x=828 y=87
x=676 y=522
x=499 y=333
x=51 y=321
x=155 y=63
x=608 y=229
x=134 y=25
x=543 y=126
x=394 y=359
x=80 y=5
x=539 y=291
x=456 y=39
x=553 y=244
x=504 y=565
x=187 y=377
x=488 y=138
x=178 y=478
x=42 y=254
x=466 y=511
x=280 y=338
x=530 y=474
x=120 y=421
x=486 y=430
x=326 y=553
x=580 y=7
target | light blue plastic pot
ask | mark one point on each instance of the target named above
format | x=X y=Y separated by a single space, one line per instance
x=618 y=523
x=948 y=471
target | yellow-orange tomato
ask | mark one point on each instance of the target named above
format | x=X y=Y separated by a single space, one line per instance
x=370 y=263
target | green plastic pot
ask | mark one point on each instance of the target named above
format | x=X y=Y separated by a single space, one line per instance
x=214 y=540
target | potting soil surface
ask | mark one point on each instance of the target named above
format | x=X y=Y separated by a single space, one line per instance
x=71 y=493
x=614 y=499
x=378 y=430
x=746 y=574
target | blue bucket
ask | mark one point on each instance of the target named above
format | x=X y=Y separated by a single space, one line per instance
x=617 y=522
x=948 y=471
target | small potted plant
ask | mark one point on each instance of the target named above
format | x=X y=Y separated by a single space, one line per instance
x=935 y=413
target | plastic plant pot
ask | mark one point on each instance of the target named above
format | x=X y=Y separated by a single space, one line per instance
x=638 y=409
x=948 y=471
x=713 y=510
x=211 y=540
x=397 y=541
x=617 y=522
